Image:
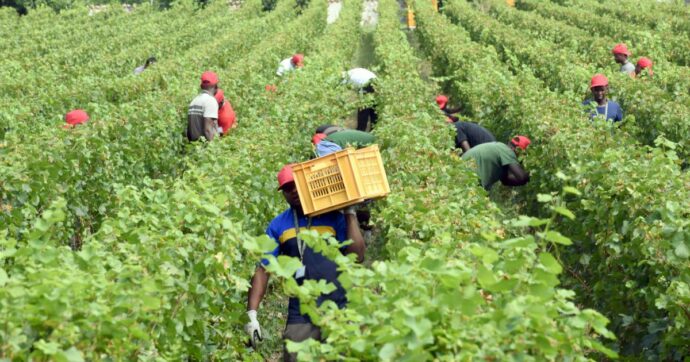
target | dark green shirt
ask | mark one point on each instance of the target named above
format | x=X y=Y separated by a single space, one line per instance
x=351 y=137
x=491 y=158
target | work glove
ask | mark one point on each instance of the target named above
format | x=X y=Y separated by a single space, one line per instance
x=253 y=329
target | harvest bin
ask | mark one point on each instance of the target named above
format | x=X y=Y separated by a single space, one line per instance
x=340 y=179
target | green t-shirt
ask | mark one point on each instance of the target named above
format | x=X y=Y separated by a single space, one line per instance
x=491 y=158
x=352 y=138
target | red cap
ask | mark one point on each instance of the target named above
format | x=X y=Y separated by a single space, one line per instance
x=209 y=78
x=298 y=60
x=599 y=80
x=271 y=88
x=441 y=100
x=317 y=138
x=520 y=142
x=621 y=49
x=285 y=176
x=75 y=117
x=220 y=96
x=644 y=62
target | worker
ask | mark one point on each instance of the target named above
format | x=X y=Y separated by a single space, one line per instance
x=76 y=117
x=442 y=102
x=284 y=230
x=621 y=54
x=470 y=134
x=644 y=63
x=328 y=129
x=289 y=64
x=202 y=118
x=226 y=115
x=611 y=110
x=140 y=69
x=497 y=161
x=363 y=80
x=330 y=138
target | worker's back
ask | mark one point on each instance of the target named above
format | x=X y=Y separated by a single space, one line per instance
x=351 y=137
x=473 y=133
x=490 y=158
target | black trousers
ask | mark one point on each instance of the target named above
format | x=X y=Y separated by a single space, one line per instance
x=364 y=116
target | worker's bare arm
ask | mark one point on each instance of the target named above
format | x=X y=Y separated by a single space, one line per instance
x=355 y=234
x=514 y=175
x=209 y=128
x=258 y=288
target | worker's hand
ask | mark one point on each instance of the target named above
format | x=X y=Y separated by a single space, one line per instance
x=253 y=329
x=350 y=210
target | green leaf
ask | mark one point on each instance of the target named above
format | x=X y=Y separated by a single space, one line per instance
x=565 y=212
x=524 y=221
x=504 y=285
x=189 y=315
x=70 y=355
x=49 y=348
x=3 y=277
x=571 y=190
x=544 y=197
x=556 y=237
x=680 y=249
x=387 y=352
x=541 y=291
x=431 y=264
x=359 y=345
x=285 y=266
x=488 y=255
x=485 y=277
x=150 y=302
x=525 y=241
x=550 y=263
x=605 y=350
x=213 y=209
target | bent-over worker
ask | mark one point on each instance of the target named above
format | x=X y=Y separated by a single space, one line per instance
x=497 y=161
x=289 y=64
x=363 y=80
x=442 y=102
x=470 y=134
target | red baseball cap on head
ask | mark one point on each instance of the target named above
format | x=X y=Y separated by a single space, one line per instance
x=621 y=49
x=441 y=100
x=520 y=142
x=220 y=96
x=317 y=138
x=75 y=117
x=645 y=63
x=209 y=78
x=598 y=80
x=285 y=176
x=298 y=59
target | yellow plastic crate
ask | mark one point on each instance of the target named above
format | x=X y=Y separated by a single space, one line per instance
x=340 y=179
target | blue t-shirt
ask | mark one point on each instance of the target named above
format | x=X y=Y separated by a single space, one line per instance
x=613 y=110
x=318 y=267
